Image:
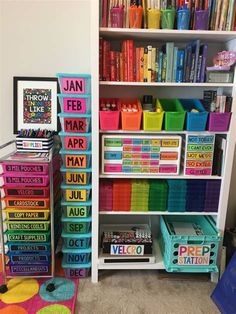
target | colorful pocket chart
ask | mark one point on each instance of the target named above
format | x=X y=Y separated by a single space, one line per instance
x=199 y=152
x=141 y=154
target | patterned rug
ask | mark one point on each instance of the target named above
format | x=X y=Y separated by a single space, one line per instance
x=29 y=296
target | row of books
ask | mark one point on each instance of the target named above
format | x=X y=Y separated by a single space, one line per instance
x=217 y=103
x=220 y=13
x=152 y=64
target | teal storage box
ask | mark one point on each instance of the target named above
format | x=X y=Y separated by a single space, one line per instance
x=196 y=118
x=76 y=256
x=189 y=243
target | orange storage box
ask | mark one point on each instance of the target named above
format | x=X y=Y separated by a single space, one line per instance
x=131 y=114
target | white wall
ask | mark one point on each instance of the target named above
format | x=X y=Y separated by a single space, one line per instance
x=40 y=38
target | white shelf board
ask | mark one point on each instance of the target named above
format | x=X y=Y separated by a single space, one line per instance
x=158 y=213
x=165 y=84
x=159 y=132
x=157 y=265
x=165 y=35
x=157 y=176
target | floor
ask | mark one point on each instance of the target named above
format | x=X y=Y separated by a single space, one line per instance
x=145 y=292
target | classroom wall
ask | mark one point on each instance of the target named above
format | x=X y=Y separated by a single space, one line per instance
x=40 y=38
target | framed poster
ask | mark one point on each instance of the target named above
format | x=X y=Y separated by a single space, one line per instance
x=35 y=103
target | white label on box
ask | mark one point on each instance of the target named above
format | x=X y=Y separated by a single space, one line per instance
x=32 y=144
x=126 y=249
x=194 y=255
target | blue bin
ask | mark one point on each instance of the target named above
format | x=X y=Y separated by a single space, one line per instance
x=195 y=121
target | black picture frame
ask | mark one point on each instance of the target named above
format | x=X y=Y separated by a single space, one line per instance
x=35 y=103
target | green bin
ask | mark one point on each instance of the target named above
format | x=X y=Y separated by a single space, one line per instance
x=174 y=114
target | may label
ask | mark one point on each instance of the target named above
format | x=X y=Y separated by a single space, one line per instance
x=194 y=254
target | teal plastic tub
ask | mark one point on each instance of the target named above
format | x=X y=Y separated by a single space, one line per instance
x=189 y=243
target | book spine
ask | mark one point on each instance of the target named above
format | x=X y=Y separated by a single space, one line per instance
x=153 y=78
x=145 y=64
x=106 y=61
x=100 y=58
x=174 y=64
x=157 y=65
x=228 y=103
x=121 y=66
x=218 y=11
x=141 y=64
x=130 y=60
x=163 y=73
x=113 y=65
x=203 y=68
x=149 y=64
x=191 y=76
x=117 y=58
x=199 y=65
x=137 y=56
x=230 y=15
x=160 y=66
x=105 y=13
x=197 y=49
x=223 y=15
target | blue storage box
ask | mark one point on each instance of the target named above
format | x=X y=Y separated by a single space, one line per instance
x=75 y=104
x=189 y=243
x=195 y=121
x=76 y=225
x=76 y=241
x=76 y=270
x=79 y=84
x=76 y=256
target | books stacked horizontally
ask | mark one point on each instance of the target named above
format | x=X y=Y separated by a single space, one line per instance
x=166 y=63
x=127 y=240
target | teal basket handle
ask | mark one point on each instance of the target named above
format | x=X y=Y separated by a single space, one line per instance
x=195 y=242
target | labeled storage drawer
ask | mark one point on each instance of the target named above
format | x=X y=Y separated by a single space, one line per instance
x=20 y=248
x=75 y=159
x=219 y=121
x=76 y=225
x=152 y=121
x=75 y=104
x=21 y=214
x=29 y=192
x=76 y=241
x=25 y=180
x=30 y=236
x=76 y=256
x=27 y=225
x=29 y=258
x=189 y=243
x=74 y=83
x=76 y=270
x=196 y=116
x=76 y=193
x=76 y=141
x=174 y=114
x=73 y=176
x=27 y=270
x=26 y=203
x=72 y=123
x=30 y=144
x=24 y=168
x=76 y=210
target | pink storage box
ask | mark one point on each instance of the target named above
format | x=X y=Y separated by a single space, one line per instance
x=24 y=180
x=23 y=167
x=74 y=83
x=75 y=104
x=72 y=123
x=76 y=141
x=29 y=192
x=219 y=121
x=105 y=195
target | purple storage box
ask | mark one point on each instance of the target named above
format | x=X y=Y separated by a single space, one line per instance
x=219 y=121
x=212 y=196
x=105 y=195
x=201 y=19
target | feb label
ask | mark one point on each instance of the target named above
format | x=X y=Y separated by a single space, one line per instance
x=194 y=255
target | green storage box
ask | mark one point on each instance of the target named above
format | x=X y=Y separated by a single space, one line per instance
x=174 y=114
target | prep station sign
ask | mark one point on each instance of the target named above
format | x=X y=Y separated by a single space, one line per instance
x=194 y=255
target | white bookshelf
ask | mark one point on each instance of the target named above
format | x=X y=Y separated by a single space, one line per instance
x=217 y=40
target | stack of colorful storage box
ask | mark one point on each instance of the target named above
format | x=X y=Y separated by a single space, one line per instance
x=75 y=102
x=177 y=195
x=105 y=195
x=195 y=200
x=139 y=195
x=212 y=195
x=158 y=193
x=27 y=206
x=121 y=195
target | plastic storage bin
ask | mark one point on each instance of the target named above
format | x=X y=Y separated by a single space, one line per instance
x=76 y=270
x=219 y=121
x=121 y=195
x=76 y=241
x=139 y=195
x=212 y=195
x=29 y=257
x=21 y=214
x=75 y=141
x=174 y=114
x=189 y=252
x=131 y=120
x=28 y=247
x=26 y=203
x=75 y=104
x=152 y=121
x=27 y=225
x=195 y=121
x=76 y=225
x=24 y=180
x=158 y=193
x=109 y=114
x=15 y=191
x=75 y=159
x=105 y=195
x=74 y=83
x=30 y=236
x=27 y=270
x=76 y=193
x=76 y=210
x=76 y=256
x=24 y=168
x=72 y=123
x=73 y=176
